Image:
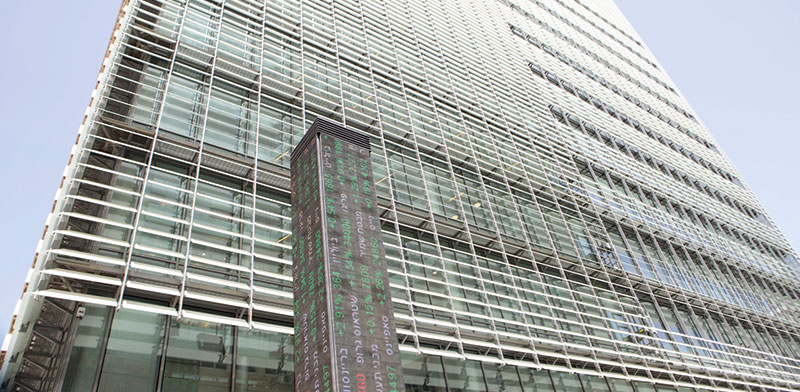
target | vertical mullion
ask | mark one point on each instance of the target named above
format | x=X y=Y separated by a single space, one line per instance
x=199 y=162
x=151 y=153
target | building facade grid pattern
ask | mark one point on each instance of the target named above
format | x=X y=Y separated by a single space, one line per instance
x=535 y=239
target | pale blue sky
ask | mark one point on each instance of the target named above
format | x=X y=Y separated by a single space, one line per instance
x=734 y=60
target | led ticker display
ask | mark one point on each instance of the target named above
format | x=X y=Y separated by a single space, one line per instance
x=345 y=338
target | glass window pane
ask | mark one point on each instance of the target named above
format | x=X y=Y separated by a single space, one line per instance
x=134 y=352
x=264 y=362
x=661 y=388
x=644 y=386
x=198 y=357
x=502 y=378
x=536 y=380
x=565 y=382
x=422 y=373
x=618 y=385
x=593 y=383
x=464 y=375
x=86 y=349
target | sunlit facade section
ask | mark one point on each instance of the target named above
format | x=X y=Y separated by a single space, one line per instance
x=555 y=216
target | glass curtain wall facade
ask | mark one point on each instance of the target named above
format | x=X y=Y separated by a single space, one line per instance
x=555 y=216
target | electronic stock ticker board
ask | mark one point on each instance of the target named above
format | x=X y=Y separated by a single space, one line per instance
x=345 y=339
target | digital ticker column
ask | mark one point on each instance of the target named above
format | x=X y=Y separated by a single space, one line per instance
x=344 y=338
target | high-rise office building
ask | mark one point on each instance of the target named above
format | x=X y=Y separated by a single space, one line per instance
x=555 y=216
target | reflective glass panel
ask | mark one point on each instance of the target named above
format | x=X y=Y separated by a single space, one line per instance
x=134 y=352
x=502 y=378
x=619 y=385
x=535 y=380
x=86 y=349
x=644 y=386
x=565 y=382
x=593 y=383
x=422 y=373
x=198 y=357
x=264 y=362
x=464 y=375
